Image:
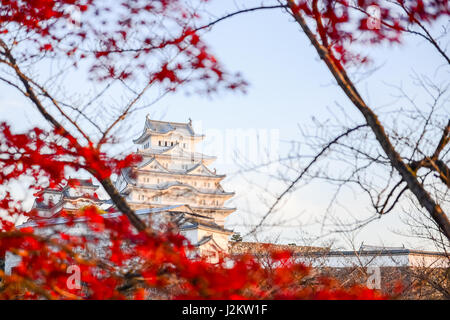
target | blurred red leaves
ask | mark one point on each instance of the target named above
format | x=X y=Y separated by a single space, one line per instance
x=341 y=25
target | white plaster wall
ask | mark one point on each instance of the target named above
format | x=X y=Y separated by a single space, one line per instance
x=405 y=260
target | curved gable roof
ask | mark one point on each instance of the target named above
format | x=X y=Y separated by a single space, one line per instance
x=151 y=165
x=201 y=169
x=164 y=127
x=174 y=184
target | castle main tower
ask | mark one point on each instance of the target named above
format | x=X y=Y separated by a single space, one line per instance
x=172 y=173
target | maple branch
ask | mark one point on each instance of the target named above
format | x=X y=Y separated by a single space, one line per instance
x=427 y=36
x=319 y=22
x=280 y=6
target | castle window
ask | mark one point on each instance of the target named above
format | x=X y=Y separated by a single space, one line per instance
x=165 y=143
x=171 y=143
x=159 y=143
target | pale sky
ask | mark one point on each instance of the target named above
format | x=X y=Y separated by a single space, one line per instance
x=288 y=86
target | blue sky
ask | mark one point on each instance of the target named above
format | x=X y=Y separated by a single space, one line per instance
x=288 y=86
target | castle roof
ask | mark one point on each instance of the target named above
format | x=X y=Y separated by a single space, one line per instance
x=71 y=182
x=62 y=220
x=166 y=126
x=225 y=210
x=65 y=195
x=173 y=184
x=157 y=127
x=198 y=169
x=175 y=151
x=189 y=219
x=64 y=199
x=257 y=248
x=155 y=165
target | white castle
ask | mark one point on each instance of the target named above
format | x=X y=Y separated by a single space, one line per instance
x=171 y=174
x=172 y=179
